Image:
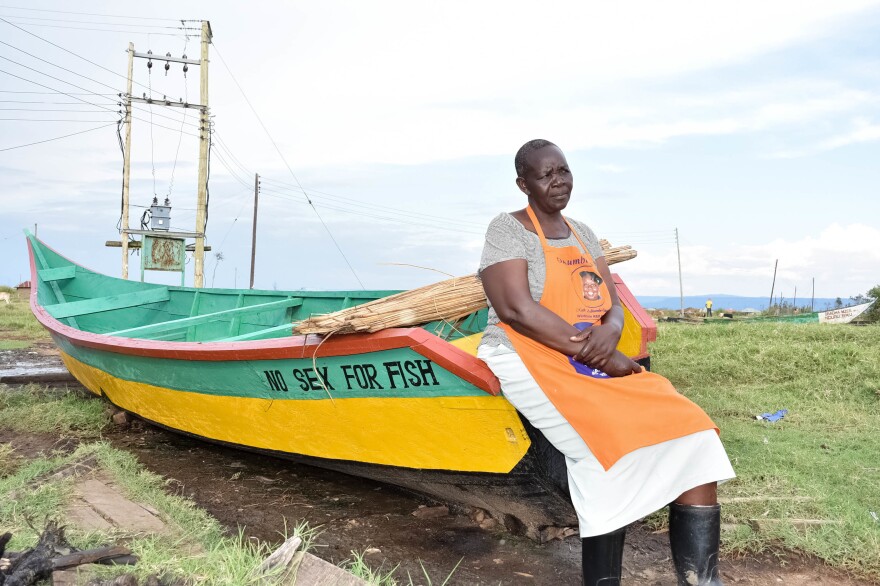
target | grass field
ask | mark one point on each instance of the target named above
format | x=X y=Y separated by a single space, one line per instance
x=18 y=326
x=820 y=463
x=810 y=482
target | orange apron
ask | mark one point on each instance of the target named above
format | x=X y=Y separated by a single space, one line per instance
x=614 y=416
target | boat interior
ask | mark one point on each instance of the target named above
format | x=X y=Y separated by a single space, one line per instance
x=96 y=303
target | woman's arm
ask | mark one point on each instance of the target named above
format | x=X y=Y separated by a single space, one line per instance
x=507 y=288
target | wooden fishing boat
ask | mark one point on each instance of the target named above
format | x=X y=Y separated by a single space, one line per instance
x=409 y=406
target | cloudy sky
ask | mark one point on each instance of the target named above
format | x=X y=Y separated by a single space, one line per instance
x=753 y=128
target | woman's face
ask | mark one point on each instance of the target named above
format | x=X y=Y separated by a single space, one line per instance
x=548 y=181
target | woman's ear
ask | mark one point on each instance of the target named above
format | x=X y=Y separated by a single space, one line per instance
x=521 y=183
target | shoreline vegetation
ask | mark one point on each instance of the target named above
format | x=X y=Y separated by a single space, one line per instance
x=808 y=482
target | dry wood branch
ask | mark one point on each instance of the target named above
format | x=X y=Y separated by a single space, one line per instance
x=51 y=553
x=448 y=300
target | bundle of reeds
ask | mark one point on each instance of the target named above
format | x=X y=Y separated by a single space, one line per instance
x=447 y=300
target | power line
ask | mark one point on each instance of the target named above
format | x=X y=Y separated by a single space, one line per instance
x=104 y=30
x=51 y=88
x=50 y=120
x=52 y=93
x=72 y=53
x=58 y=66
x=73 y=96
x=359 y=213
x=280 y=154
x=87 y=13
x=45 y=110
x=93 y=22
x=45 y=102
x=57 y=137
x=393 y=210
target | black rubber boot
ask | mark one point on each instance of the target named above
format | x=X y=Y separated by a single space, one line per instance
x=603 y=558
x=695 y=534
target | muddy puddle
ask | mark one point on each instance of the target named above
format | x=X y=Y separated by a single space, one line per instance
x=264 y=497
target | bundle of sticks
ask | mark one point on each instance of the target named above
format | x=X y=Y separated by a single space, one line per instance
x=448 y=300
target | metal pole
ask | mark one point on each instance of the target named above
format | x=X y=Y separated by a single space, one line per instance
x=254 y=236
x=680 y=286
x=773 y=286
x=204 y=138
x=126 y=165
x=794 y=301
x=813 y=295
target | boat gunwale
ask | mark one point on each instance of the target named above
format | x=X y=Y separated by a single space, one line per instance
x=457 y=361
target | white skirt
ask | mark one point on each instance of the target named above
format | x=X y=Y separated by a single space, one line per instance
x=638 y=484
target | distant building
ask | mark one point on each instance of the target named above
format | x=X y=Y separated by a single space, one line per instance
x=24 y=290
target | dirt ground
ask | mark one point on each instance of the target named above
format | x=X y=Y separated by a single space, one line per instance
x=263 y=495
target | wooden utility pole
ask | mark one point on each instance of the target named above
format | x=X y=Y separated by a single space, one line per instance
x=773 y=286
x=813 y=295
x=680 y=286
x=204 y=143
x=126 y=165
x=254 y=236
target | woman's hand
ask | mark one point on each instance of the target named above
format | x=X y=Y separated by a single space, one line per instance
x=621 y=365
x=599 y=345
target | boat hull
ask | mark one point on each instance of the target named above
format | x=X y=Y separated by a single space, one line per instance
x=412 y=407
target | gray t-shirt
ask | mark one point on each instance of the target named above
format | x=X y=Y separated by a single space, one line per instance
x=507 y=239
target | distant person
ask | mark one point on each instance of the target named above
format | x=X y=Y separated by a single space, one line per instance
x=632 y=443
x=709 y=307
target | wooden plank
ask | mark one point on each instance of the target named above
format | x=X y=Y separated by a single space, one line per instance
x=235 y=325
x=58 y=273
x=200 y=319
x=313 y=571
x=108 y=303
x=59 y=296
x=118 y=510
x=259 y=333
x=193 y=311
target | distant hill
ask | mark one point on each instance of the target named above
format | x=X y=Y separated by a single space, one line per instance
x=719 y=302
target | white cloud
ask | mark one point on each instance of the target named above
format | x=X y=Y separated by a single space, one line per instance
x=841 y=257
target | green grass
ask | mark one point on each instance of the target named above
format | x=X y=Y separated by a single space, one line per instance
x=820 y=461
x=34 y=408
x=195 y=546
x=18 y=324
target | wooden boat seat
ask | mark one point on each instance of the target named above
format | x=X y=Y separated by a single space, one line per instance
x=109 y=303
x=205 y=318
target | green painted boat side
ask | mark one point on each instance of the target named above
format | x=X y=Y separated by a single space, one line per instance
x=396 y=373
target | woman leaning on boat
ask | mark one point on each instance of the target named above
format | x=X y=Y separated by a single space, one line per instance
x=632 y=444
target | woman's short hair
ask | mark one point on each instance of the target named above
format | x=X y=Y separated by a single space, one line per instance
x=519 y=161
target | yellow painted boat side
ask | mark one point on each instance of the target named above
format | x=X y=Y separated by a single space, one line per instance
x=470 y=434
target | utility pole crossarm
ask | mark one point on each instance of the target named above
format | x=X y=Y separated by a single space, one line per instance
x=167 y=58
x=164 y=102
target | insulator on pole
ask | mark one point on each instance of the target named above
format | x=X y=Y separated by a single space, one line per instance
x=149 y=62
